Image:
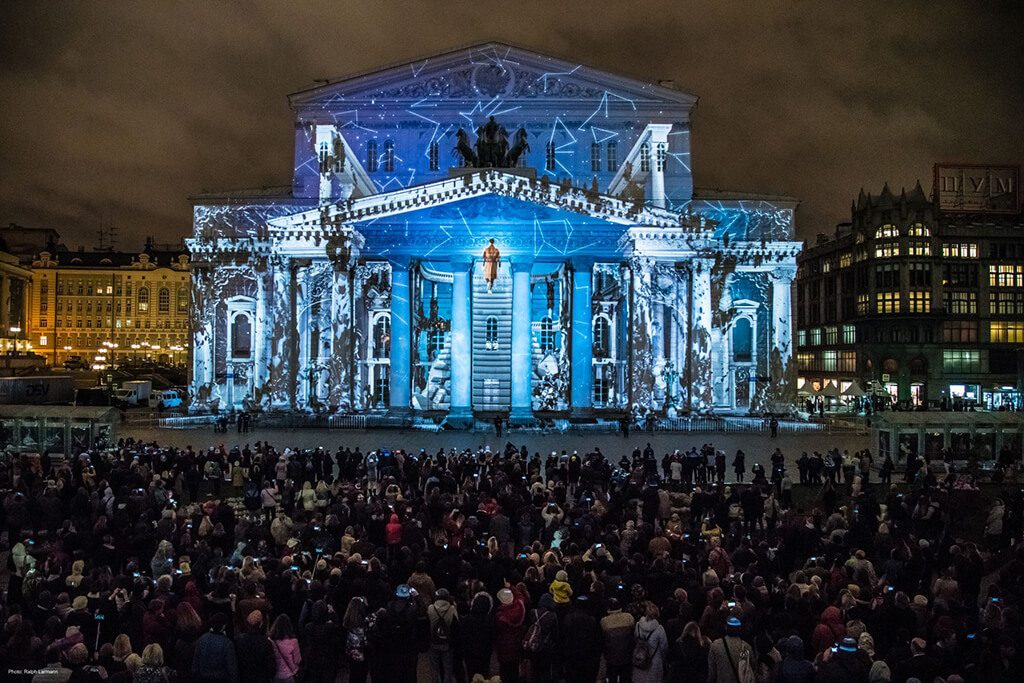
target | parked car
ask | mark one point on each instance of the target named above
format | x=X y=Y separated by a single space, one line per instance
x=75 y=363
x=168 y=398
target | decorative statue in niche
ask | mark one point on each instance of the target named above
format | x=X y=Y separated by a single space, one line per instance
x=492 y=257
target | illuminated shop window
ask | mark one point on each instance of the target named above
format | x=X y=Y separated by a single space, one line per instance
x=955 y=360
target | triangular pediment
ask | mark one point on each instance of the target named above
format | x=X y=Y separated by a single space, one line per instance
x=485 y=72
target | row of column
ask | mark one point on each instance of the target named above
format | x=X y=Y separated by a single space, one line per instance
x=5 y=304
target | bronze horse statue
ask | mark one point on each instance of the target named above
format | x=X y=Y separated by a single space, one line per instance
x=520 y=145
x=464 y=149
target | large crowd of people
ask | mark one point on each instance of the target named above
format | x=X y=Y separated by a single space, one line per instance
x=145 y=564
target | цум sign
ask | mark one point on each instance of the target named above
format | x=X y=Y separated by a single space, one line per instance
x=977 y=188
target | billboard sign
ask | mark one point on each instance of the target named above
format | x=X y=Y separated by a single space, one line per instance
x=977 y=188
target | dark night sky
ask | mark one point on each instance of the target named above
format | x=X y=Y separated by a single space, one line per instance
x=120 y=110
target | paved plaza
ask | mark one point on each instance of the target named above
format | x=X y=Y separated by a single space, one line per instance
x=757 y=446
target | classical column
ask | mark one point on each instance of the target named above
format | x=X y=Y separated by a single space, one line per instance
x=460 y=414
x=522 y=370
x=261 y=369
x=582 y=348
x=303 y=303
x=281 y=334
x=5 y=305
x=202 y=388
x=658 y=332
x=779 y=361
x=641 y=336
x=400 y=373
x=700 y=371
x=343 y=251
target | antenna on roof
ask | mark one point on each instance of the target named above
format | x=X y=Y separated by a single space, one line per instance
x=107 y=236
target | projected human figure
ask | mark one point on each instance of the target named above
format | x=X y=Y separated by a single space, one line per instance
x=492 y=257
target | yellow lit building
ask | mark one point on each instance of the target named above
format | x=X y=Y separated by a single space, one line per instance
x=14 y=284
x=105 y=307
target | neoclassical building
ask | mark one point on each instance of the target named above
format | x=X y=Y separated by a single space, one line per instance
x=492 y=231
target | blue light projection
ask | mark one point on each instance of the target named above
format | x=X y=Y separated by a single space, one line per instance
x=363 y=279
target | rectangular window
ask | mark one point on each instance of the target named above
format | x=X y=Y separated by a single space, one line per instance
x=645 y=158
x=956 y=360
x=920 y=301
x=435 y=157
x=887 y=249
x=801 y=337
x=863 y=300
x=961 y=303
x=887 y=302
x=887 y=276
x=1006 y=303
x=829 y=360
x=960 y=275
x=845 y=260
x=920 y=274
x=661 y=152
x=919 y=248
x=1003 y=332
x=595 y=156
x=612 y=152
x=960 y=250
x=371 y=160
x=960 y=331
x=389 y=157
x=1006 y=275
x=847 y=361
x=849 y=334
x=549 y=156
x=815 y=336
x=831 y=335
x=805 y=361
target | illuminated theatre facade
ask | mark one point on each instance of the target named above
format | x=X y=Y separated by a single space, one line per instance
x=492 y=232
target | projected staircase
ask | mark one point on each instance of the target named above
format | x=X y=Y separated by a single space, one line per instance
x=492 y=343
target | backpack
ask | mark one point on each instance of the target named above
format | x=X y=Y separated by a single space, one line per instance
x=440 y=630
x=741 y=669
x=536 y=639
x=211 y=469
x=643 y=655
x=355 y=645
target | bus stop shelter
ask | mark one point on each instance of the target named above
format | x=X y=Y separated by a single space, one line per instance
x=981 y=435
x=57 y=429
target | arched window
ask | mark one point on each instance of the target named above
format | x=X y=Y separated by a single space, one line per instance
x=491 y=333
x=919 y=230
x=742 y=341
x=163 y=300
x=547 y=334
x=886 y=231
x=371 y=156
x=919 y=366
x=241 y=336
x=890 y=366
x=381 y=340
x=389 y=157
x=143 y=299
x=602 y=337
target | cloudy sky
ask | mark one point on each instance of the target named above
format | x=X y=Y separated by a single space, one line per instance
x=118 y=111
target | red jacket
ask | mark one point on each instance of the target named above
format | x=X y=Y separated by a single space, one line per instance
x=393 y=530
x=508 y=640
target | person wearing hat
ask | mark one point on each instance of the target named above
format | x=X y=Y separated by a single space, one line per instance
x=400 y=620
x=443 y=619
x=794 y=667
x=845 y=663
x=730 y=658
x=509 y=629
x=561 y=591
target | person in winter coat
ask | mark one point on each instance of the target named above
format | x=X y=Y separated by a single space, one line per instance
x=795 y=667
x=393 y=533
x=829 y=630
x=443 y=619
x=617 y=636
x=688 y=656
x=401 y=618
x=475 y=636
x=561 y=591
x=650 y=634
x=581 y=646
x=307 y=497
x=255 y=655
x=323 y=643
x=214 y=659
x=287 y=655
x=730 y=659
x=994 y=525
x=542 y=658
x=508 y=639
